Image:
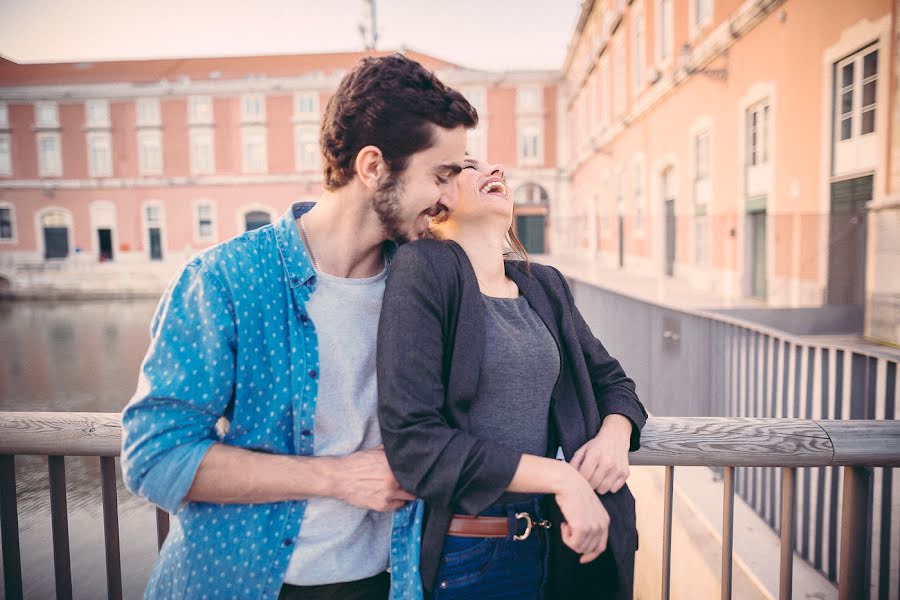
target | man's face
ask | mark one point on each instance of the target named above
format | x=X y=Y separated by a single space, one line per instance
x=406 y=202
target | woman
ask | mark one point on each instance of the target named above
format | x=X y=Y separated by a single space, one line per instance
x=485 y=370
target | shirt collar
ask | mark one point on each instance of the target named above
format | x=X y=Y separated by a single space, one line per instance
x=298 y=265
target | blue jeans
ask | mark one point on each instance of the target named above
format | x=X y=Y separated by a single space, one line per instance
x=496 y=568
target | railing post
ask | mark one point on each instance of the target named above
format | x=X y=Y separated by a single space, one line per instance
x=111 y=527
x=786 y=584
x=62 y=563
x=9 y=529
x=852 y=578
x=727 y=532
x=667 y=532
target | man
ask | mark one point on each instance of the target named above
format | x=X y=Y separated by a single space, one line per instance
x=275 y=331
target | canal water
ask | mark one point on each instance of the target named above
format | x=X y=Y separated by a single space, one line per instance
x=75 y=356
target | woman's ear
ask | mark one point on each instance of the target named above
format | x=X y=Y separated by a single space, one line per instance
x=370 y=167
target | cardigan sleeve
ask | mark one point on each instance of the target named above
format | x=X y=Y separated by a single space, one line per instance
x=613 y=389
x=430 y=457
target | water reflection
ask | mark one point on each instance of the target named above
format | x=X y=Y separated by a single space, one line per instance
x=75 y=356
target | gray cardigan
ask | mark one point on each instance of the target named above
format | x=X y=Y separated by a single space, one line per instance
x=430 y=351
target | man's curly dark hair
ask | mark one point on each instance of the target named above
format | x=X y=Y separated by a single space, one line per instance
x=393 y=103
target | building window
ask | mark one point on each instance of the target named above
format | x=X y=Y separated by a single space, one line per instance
x=5 y=154
x=530 y=143
x=256 y=219
x=150 y=152
x=619 y=67
x=96 y=114
x=46 y=114
x=200 y=110
x=856 y=83
x=638 y=50
x=206 y=227
x=253 y=145
x=528 y=99
x=306 y=147
x=99 y=154
x=639 y=198
x=203 y=161
x=253 y=108
x=306 y=106
x=148 y=114
x=4 y=116
x=153 y=225
x=701 y=165
x=664 y=31
x=605 y=85
x=7 y=227
x=702 y=12
x=49 y=157
x=758 y=134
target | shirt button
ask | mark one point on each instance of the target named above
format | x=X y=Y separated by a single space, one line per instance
x=288 y=541
x=312 y=373
x=304 y=319
x=306 y=432
x=443 y=585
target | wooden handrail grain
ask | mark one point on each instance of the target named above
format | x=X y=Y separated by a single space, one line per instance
x=676 y=441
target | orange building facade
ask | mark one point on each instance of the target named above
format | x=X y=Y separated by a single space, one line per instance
x=154 y=160
x=733 y=144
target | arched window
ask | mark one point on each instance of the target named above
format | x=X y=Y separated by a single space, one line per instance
x=532 y=194
x=256 y=219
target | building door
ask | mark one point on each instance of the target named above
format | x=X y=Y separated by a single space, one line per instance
x=104 y=243
x=256 y=219
x=670 y=237
x=154 y=236
x=757 y=222
x=55 y=226
x=621 y=241
x=530 y=229
x=847 y=240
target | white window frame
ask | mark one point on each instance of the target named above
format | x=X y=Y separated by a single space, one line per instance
x=758 y=154
x=6 y=157
x=620 y=86
x=4 y=115
x=200 y=110
x=46 y=115
x=147 y=112
x=701 y=166
x=301 y=99
x=638 y=47
x=53 y=166
x=104 y=167
x=857 y=109
x=96 y=114
x=697 y=21
x=639 y=196
x=476 y=142
x=301 y=138
x=248 y=101
x=523 y=105
x=146 y=224
x=213 y=235
x=533 y=128
x=664 y=33
x=14 y=238
x=195 y=135
x=477 y=97
x=145 y=138
x=260 y=134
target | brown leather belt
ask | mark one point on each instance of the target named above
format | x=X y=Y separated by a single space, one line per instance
x=493 y=527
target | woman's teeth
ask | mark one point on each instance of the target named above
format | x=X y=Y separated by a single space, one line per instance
x=493 y=187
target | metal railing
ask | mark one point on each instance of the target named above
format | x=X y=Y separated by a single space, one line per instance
x=853 y=446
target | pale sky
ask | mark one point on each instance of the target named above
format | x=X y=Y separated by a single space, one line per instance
x=495 y=35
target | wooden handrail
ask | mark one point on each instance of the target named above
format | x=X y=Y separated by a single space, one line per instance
x=675 y=441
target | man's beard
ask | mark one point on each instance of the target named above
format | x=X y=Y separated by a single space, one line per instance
x=387 y=206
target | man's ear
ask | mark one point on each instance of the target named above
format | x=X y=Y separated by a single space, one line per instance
x=370 y=167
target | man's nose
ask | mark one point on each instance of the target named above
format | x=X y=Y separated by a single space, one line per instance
x=448 y=198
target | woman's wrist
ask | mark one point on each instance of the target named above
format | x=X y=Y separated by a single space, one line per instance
x=618 y=425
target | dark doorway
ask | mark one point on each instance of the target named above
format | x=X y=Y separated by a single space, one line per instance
x=530 y=229
x=155 y=238
x=847 y=240
x=104 y=243
x=621 y=241
x=256 y=219
x=56 y=242
x=757 y=225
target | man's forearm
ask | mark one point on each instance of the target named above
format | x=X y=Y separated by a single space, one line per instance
x=231 y=475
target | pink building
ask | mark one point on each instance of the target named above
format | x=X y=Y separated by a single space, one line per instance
x=155 y=160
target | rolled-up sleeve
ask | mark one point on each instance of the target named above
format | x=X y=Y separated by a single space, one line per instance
x=185 y=384
x=430 y=457
x=613 y=389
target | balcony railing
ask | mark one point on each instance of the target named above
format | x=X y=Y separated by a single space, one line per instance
x=855 y=446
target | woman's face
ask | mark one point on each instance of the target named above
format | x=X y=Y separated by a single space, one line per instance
x=481 y=193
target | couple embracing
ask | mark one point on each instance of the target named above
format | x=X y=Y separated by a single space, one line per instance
x=367 y=398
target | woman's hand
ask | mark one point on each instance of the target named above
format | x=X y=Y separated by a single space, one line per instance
x=586 y=528
x=603 y=461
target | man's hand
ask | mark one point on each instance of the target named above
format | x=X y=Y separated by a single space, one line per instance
x=603 y=461
x=364 y=479
x=586 y=527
